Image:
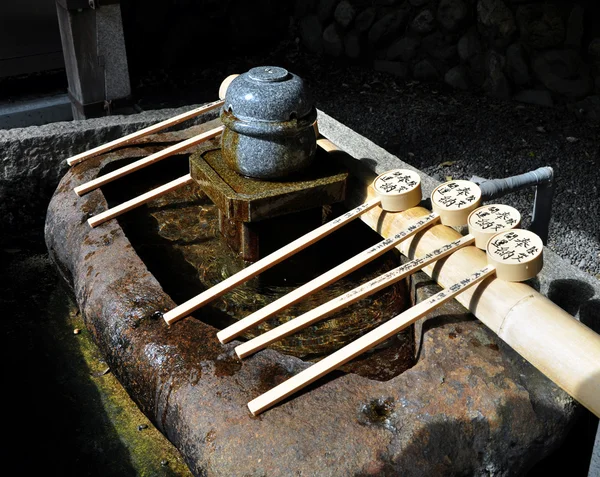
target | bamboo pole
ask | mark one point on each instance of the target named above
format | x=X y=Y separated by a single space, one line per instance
x=365 y=342
x=109 y=146
x=322 y=281
x=562 y=348
x=139 y=200
x=146 y=161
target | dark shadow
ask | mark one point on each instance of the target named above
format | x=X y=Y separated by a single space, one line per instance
x=479 y=289
x=575 y=296
x=55 y=418
x=589 y=314
x=573 y=456
x=469 y=447
x=533 y=283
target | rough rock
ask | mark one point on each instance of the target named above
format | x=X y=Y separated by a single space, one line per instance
x=387 y=27
x=344 y=13
x=563 y=72
x=516 y=64
x=352 y=44
x=594 y=50
x=425 y=71
x=423 y=22
x=311 y=33
x=466 y=387
x=333 y=43
x=469 y=45
x=364 y=19
x=325 y=10
x=304 y=7
x=451 y=14
x=575 y=27
x=435 y=45
x=496 y=83
x=405 y=48
x=533 y=96
x=589 y=107
x=458 y=77
x=396 y=68
x=540 y=25
x=496 y=22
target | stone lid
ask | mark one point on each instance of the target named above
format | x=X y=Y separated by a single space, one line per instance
x=268 y=93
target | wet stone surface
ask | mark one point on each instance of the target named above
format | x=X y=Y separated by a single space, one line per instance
x=177 y=236
x=468 y=406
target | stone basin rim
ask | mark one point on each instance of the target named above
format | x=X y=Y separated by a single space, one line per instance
x=150 y=362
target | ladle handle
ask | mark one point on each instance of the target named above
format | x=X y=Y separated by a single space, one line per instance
x=267 y=262
x=367 y=289
x=324 y=280
x=139 y=200
x=109 y=146
x=151 y=159
x=364 y=343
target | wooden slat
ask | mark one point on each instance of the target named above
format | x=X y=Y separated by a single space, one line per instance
x=364 y=343
x=327 y=309
x=267 y=262
x=323 y=280
x=139 y=200
x=145 y=162
x=109 y=146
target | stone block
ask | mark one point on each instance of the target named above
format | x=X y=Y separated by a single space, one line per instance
x=496 y=22
x=451 y=14
x=563 y=72
x=311 y=33
x=404 y=48
x=540 y=25
x=333 y=43
x=384 y=29
x=423 y=22
x=395 y=68
x=344 y=13
x=353 y=44
x=575 y=27
x=365 y=19
x=469 y=45
x=325 y=10
x=425 y=71
x=458 y=77
x=516 y=64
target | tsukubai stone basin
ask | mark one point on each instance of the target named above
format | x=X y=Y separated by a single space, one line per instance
x=468 y=405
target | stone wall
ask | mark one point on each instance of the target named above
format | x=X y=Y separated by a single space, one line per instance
x=541 y=52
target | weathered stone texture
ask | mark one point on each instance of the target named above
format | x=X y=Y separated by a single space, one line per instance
x=470 y=405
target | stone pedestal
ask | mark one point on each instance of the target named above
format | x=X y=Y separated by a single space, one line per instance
x=257 y=217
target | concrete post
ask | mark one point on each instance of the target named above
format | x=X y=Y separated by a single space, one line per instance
x=95 y=57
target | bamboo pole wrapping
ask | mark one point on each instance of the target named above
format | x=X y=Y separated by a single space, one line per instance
x=562 y=348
